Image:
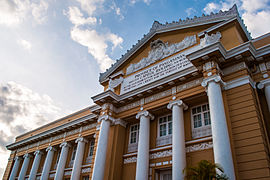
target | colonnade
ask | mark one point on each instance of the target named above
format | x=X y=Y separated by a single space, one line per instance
x=76 y=170
x=220 y=135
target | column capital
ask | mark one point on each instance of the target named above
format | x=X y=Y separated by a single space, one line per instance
x=263 y=83
x=81 y=139
x=144 y=113
x=215 y=78
x=19 y=158
x=178 y=103
x=106 y=118
x=64 y=144
x=120 y=122
x=27 y=155
x=38 y=152
x=50 y=148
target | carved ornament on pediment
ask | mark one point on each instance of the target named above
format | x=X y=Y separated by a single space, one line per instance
x=160 y=50
x=114 y=83
x=207 y=40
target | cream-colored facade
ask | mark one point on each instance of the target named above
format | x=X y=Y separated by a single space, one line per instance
x=187 y=91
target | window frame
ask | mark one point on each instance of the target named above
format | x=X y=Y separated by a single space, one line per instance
x=202 y=119
x=167 y=126
x=91 y=147
x=137 y=135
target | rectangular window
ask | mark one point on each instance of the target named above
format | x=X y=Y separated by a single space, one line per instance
x=165 y=125
x=164 y=130
x=74 y=152
x=91 y=147
x=201 y=122
x=134 y=133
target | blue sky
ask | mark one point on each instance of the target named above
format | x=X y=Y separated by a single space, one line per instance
x=52 y=51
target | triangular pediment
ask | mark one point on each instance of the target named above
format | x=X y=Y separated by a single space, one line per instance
x=169 y=38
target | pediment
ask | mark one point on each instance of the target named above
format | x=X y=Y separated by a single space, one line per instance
x=193 y=26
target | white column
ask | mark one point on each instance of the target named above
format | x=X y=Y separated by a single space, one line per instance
x=266 y=85
x=15 y=168
x=48 y=163
x=35 y=165
x=142 y=166
x=62 y=161
x=24 y=166
x=76 y=170
x=178 y=139
x=220 y=135
x=100 y=159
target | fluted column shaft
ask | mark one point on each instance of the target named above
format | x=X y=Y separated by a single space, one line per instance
x=100 y=159
x=220 y=134
x=35 y=165
x=142 y=166
x=62 y=161
x=15 y=168
x=48 y=163
x=178 y=139
x=76 y=171
x=24 y=167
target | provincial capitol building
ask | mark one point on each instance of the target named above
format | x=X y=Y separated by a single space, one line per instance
x=190 y=90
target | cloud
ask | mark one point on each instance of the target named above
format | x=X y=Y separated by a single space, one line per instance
x=39 y=11
x=190 y=11
x=22 y=110
x=14 y=12
x=254 y=13
x=96 y=43
x=76 y=17
x=90 y=6
x=145 y=1
x=117 y=10
x=25 y=44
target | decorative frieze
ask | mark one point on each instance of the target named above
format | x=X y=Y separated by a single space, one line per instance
x=86 y=170
x=161 y=154
x=234 y=68
x=199 y=147
x=129 y=106
x=168 y=153
x=189 y=85
x=158 y=96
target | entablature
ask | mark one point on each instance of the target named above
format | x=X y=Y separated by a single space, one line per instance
x=56 y=132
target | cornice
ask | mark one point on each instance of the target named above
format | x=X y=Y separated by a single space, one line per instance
x=52 y=131
x=160 y=28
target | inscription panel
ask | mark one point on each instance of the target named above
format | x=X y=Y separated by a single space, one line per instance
x=158 y=71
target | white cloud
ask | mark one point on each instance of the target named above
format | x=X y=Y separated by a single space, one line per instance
x=76 y=17
x=22 y=110
x=190 y=11
x=255 y=13
x=117 y=10
x=39 y=11
x=14 y=12
x=90 y=6
x=145 y=1
x=25 y=44
x=96 y=44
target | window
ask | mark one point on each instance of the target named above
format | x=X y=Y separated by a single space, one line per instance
x=74 y=152
x=134 y=133
x=85 y=178
x=90 y=152
x=164 y=130
x=165 y=125
x=133 y=138
x=91 y=147
x=201 y=122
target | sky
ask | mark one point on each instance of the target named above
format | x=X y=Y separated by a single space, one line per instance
x=52 y=51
